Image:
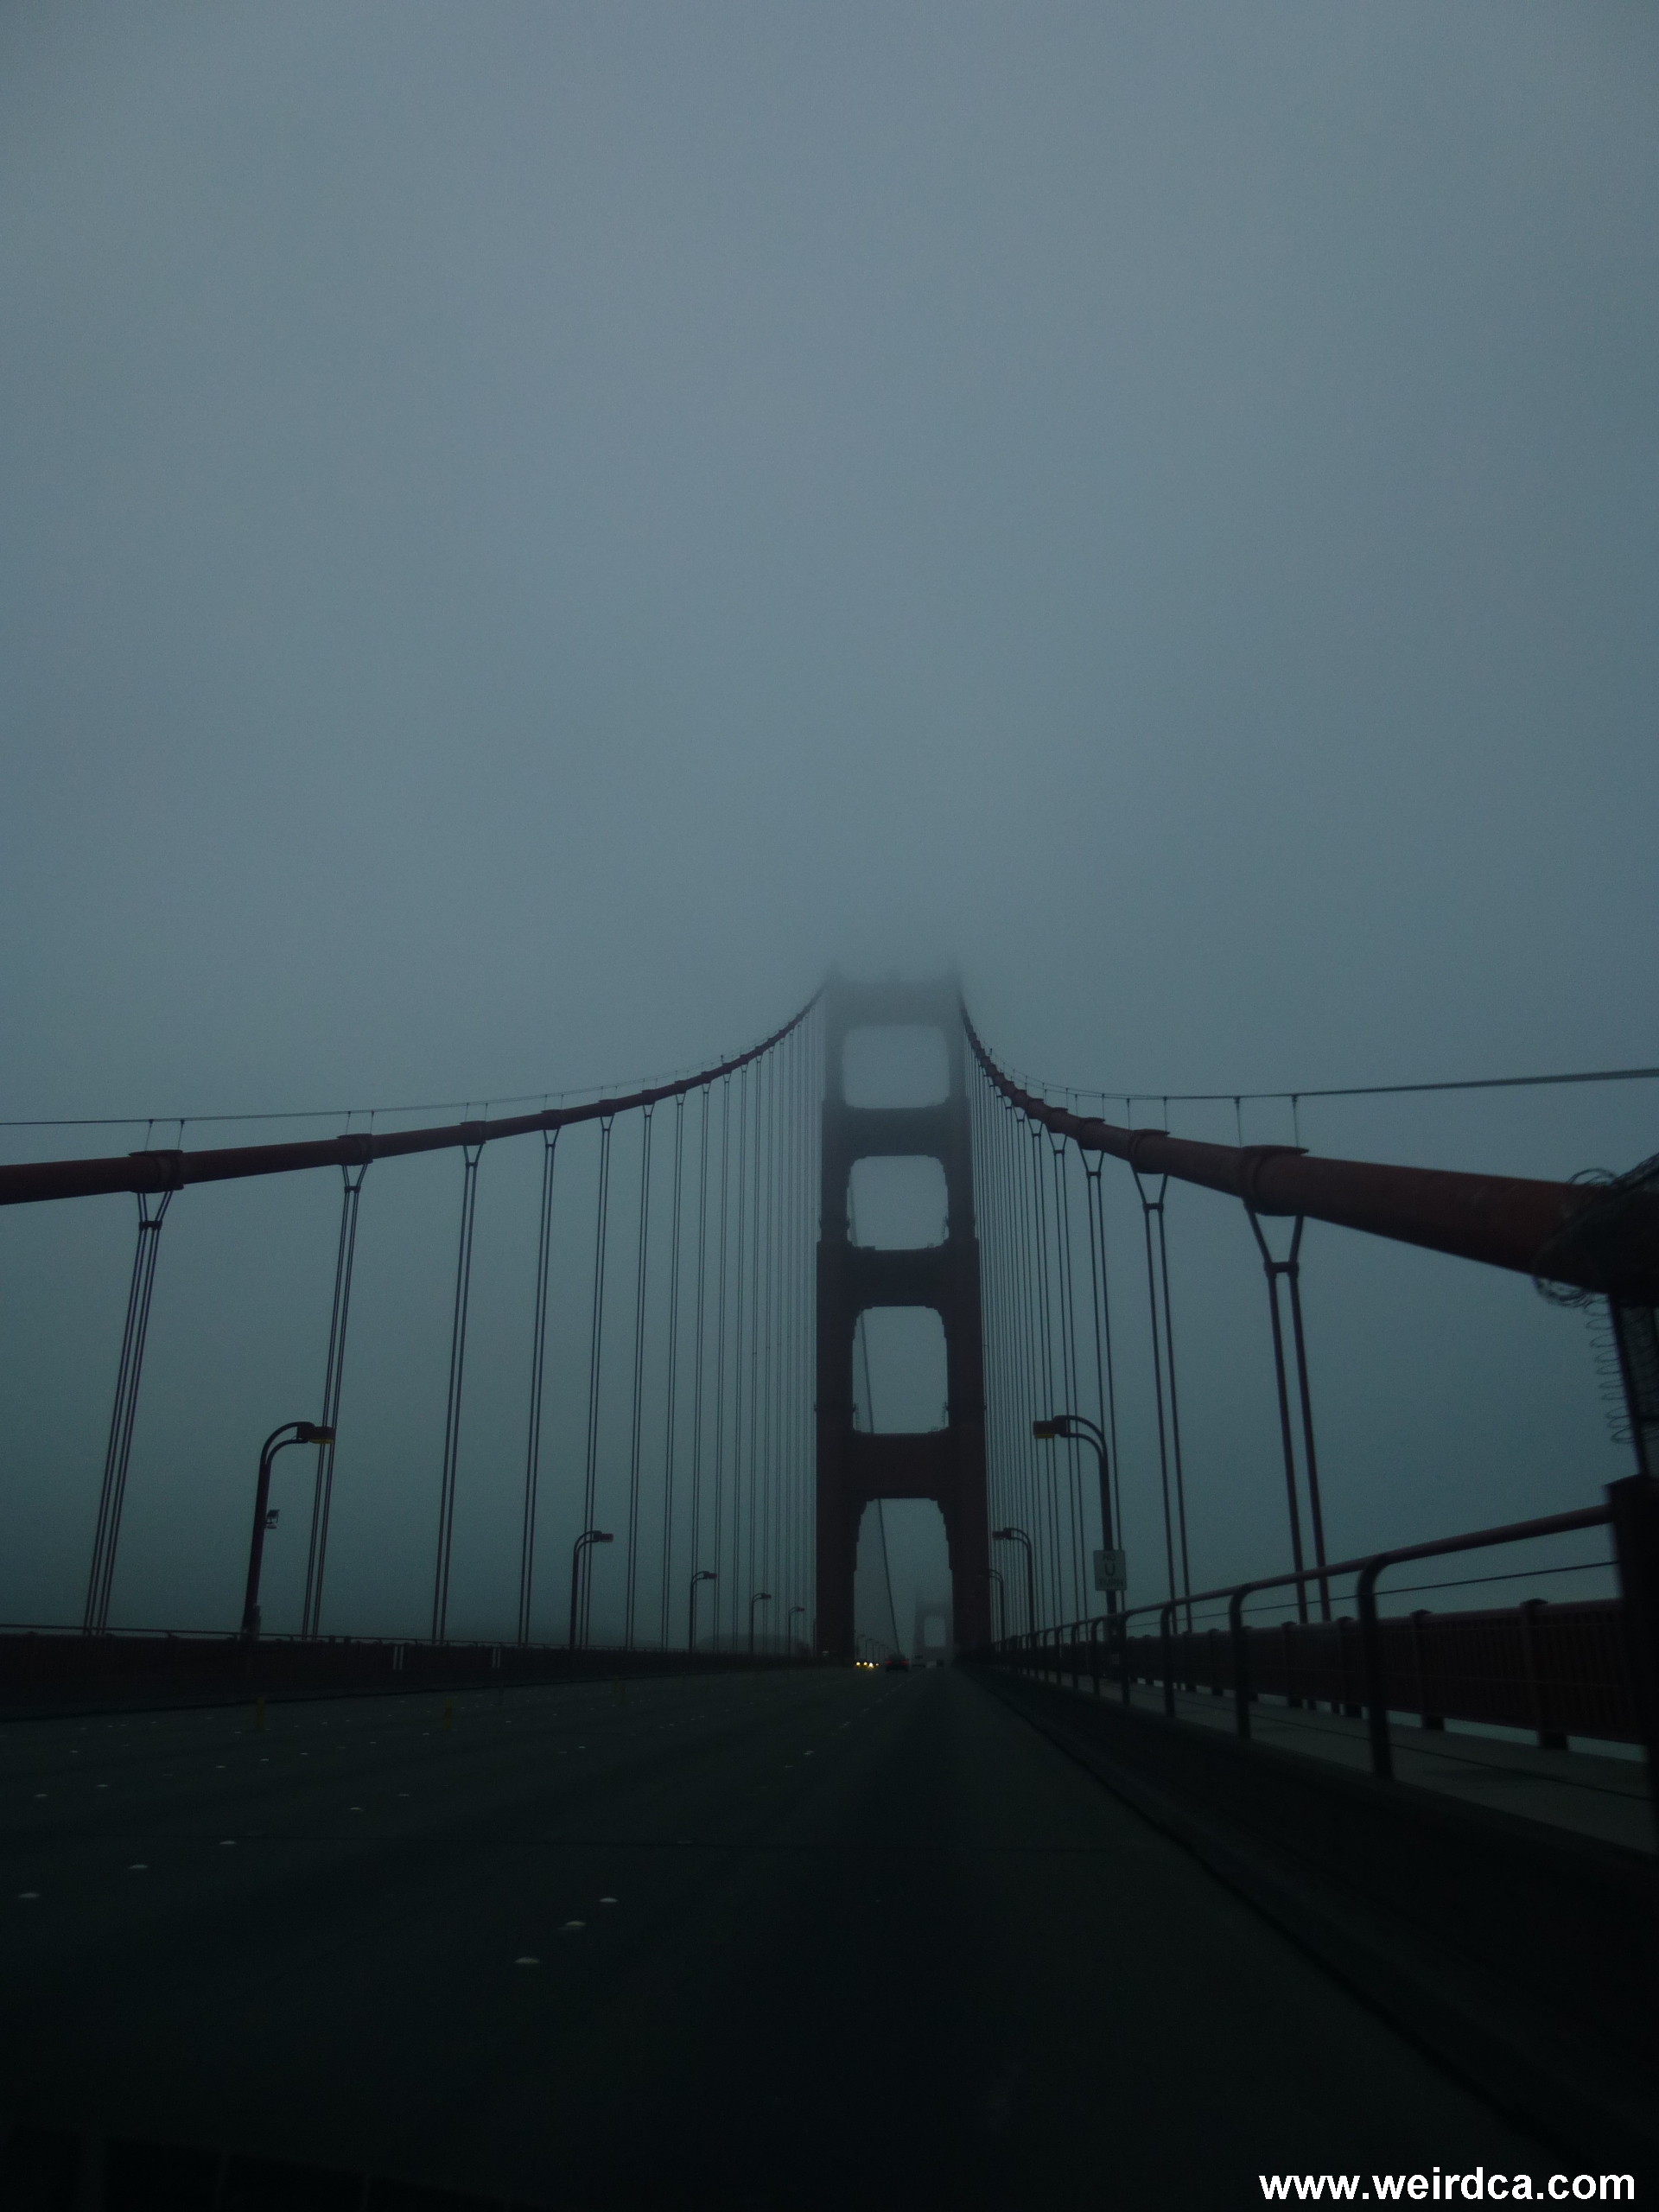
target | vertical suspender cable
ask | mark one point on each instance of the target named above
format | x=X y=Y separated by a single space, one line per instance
x=814 y=1224
x=1315 y=1510
x=696 y=1388
x=1069 y=1366
x=733 y=1614
x=538 y=1373
x=1105 y=1383
x=470 y=1155
x=1148 y=1207
x=990 y=1244
x=1041 y=1213
x=1019 y=1442
x=786 y=1166
x=791 y=1290
x=641 y=1259
x=595 y=1347
x=763 y=1437
x=719 y=1346
x=1015 y=1261
x=673 y=1363
x=807 y=1268
x=1273 y=1268
x=756 y=1323
x=1020 y=1156
x=1174 y=1415
x=322 y=1495
x=152 y=1211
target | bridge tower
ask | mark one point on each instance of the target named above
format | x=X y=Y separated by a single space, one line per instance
x=927 y=1611
x=946 y=1465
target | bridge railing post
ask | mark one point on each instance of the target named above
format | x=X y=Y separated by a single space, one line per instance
x=1240 y=1638
x=1167 y=1638
x=1634 y=1504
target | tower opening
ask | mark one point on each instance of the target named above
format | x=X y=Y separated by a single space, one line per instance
x=898 y=1204
x=900 y=1377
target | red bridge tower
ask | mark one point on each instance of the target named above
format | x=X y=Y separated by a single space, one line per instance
x=946 y=1465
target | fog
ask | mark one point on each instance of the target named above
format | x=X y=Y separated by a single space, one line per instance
x=531 y=534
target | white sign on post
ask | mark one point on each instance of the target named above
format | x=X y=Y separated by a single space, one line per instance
x=1112 y=1572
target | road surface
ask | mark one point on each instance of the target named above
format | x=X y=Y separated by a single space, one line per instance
x=813 y=1940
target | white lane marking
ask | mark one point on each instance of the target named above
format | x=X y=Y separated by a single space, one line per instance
x=138 y=1866
x=607 y=1900
x=572 y=1926
x=526 y=1961
x=227 y=1843
x=28 y=1896
x=40 y=1793
x=356 y=1808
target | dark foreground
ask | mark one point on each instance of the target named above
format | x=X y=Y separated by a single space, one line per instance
x=798 y=1941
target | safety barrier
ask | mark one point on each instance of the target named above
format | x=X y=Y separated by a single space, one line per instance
x=1580 y=1668
x=47 y=1665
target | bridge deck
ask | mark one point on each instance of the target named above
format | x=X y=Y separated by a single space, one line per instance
x=806 y=1940
x=1591 y=1793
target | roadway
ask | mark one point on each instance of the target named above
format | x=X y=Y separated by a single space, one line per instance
x=792 y=1941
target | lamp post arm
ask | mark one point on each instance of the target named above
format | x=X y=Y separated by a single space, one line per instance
x=1089 y=1433
x=287 y=1432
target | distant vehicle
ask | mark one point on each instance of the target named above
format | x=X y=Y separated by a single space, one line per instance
x=897 y=1664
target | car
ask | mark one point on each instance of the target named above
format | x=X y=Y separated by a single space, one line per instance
x=897 y=1664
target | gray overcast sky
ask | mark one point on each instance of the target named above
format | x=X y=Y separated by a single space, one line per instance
x=526 y=532
x=530 y=531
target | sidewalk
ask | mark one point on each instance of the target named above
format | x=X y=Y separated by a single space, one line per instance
x=1595 y=1794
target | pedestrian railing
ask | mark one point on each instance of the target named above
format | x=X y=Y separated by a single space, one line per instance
x=1587 y=1668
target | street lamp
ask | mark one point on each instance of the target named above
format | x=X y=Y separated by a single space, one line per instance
x=1079 y=1426
x=994 y=1574
x=759 y=1598
x=1013 y=1535
x=703 y=1574
x=587 y=1537
x=291 y=1431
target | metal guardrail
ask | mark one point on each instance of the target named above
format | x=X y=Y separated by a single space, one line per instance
x=34 y=1660
x=1580 y=1668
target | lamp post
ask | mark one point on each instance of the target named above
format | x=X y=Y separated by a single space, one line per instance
x=1080 y=1426
x=793 y=1610
x=994 y=1574
x=587 y=1537
x=1013 y=1535
x=703 y=1574
x=291 y=1431
x=758 y=1598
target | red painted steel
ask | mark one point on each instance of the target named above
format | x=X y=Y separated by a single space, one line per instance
x=1504 y=1221
x=26 y=1182
x=41 y=1667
